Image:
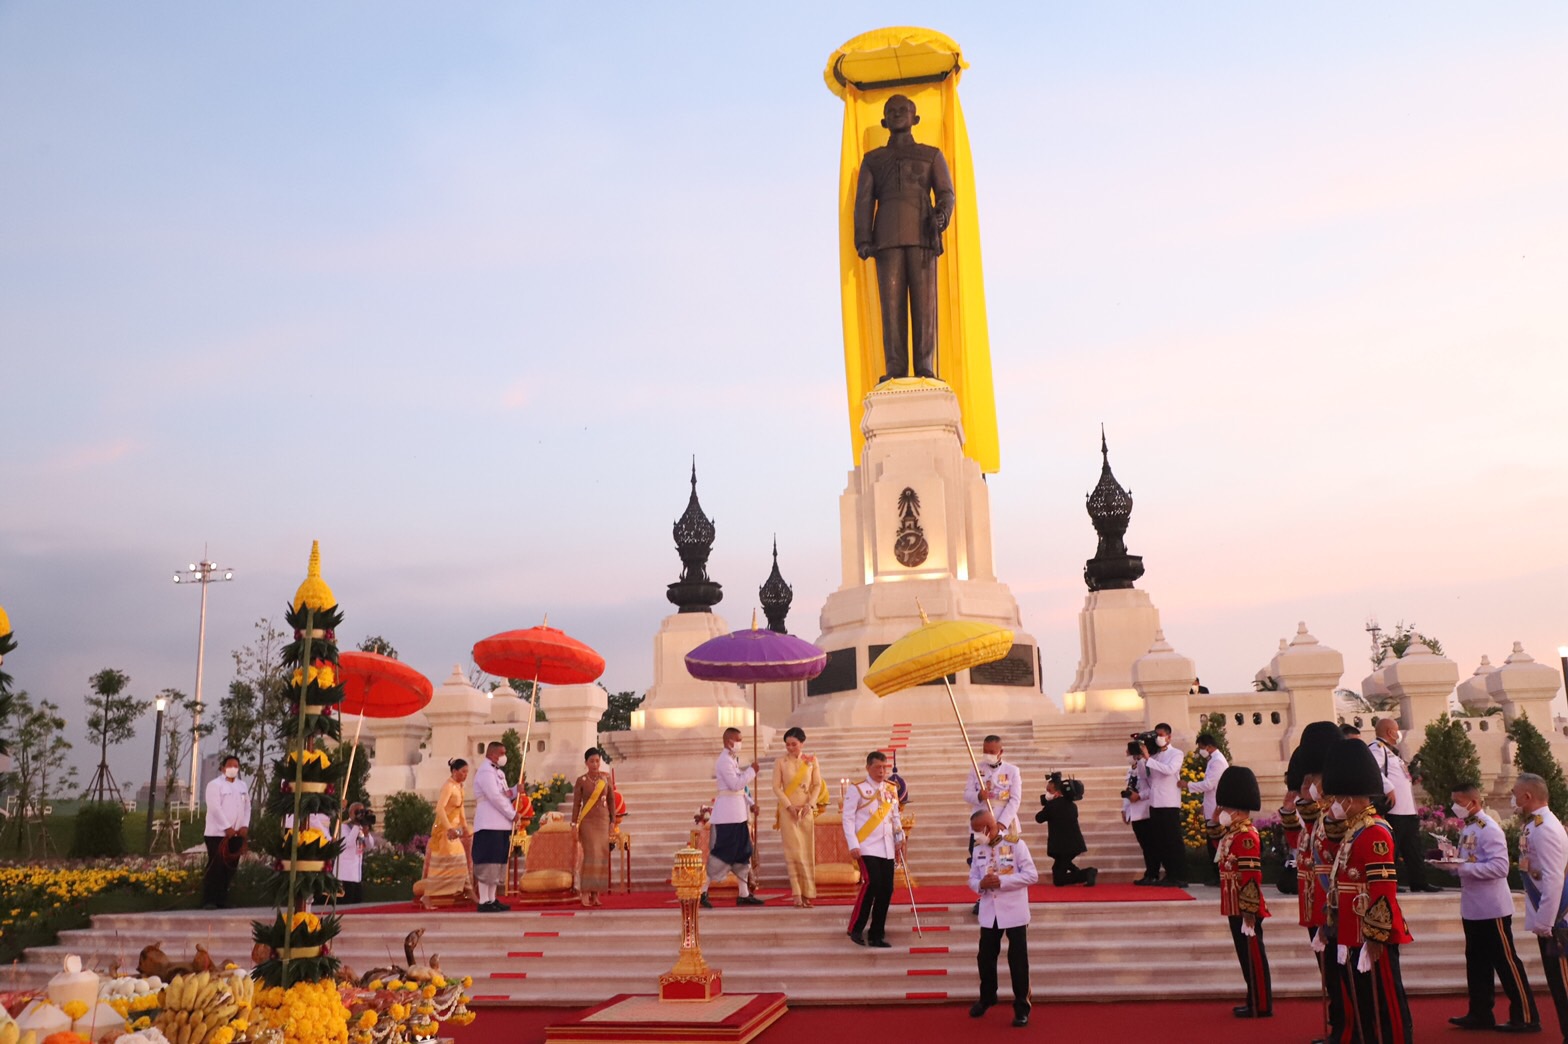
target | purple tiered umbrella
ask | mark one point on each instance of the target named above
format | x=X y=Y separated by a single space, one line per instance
x=750 y=657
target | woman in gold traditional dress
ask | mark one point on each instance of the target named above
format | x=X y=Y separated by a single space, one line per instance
x=796 y=784
x=447 y=866
x=593 y=799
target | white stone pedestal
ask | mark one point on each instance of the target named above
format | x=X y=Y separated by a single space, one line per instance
x=914 y=443
x=1115 y=628
x=574 y=712
x=677 y=701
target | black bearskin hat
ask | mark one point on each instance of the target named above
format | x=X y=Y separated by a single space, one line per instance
x=1350 y=771
x=1238 y=789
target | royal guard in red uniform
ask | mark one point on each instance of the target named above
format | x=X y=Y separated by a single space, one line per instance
x=1369 y=925
x=1240 y=859
x=1314 y=846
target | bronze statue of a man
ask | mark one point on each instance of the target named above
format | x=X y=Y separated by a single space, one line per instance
x=897 y=220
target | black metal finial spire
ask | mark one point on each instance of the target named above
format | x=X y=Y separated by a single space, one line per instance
x=776 y=595
x=1110 y=509
x=694 y=532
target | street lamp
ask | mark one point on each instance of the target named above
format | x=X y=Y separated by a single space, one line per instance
x=203 y=574
x=162 y=703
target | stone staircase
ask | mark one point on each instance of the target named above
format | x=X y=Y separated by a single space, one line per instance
x=935 y=766
x=1079 y=951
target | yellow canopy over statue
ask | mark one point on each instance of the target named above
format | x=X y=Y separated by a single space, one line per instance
x=924 y=66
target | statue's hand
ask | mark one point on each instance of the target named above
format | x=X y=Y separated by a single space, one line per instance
x=942 y=219
x=865 y=250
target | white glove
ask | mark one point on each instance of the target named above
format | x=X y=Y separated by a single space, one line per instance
x=1344 y=954
x=1247 y=930
x=1318 y=942
x=1364 y=965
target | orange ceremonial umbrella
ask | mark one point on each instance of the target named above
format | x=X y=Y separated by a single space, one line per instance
x=376 y=686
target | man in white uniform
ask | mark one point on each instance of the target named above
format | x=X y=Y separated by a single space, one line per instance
x=999 y=783
x=494 y=812
x=355 y=831
x=874 y=834
x=1208 y=786
x=729 y=844
x=1403 y=822
x=1000 y=874
x=1486 y=909
x=1543 y=866
x=228 y=827
x=1164 y=768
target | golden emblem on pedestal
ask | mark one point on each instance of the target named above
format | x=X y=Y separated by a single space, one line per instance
x=691 y=979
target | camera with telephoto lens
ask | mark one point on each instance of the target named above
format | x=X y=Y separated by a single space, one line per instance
x=364 y=819
x=1144 y=742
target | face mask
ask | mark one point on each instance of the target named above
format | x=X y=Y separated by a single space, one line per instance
x=1313 y=792
x=1399 y=737
x=231 y=773
x=1460 y=811
x=1513 y=803
x=1164 y=741
x=1223 y=819
x=992 y=759
x=501 y=761
x=1206 y=754
x=1336 y=810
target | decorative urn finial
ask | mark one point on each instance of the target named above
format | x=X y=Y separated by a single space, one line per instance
x=1110 y=508
x=694 y=592
x=776 y=595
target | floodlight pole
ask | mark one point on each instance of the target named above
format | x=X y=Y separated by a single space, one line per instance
x=205 y=573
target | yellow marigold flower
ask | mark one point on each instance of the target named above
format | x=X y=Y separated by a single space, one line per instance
x=375 y=984
x=75 y=1009
x=429 y=990
x=142 y=1023
x=367 y=1019
x=221 y=1035
x=394 y=984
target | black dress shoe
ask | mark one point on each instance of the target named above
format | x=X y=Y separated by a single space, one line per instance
x=975 y=909
x=1471 y=1022
x=1021 y=1019
x=880 y=944
x=979 y=1008
x=1144 y=881
x=857 y=938
x=1090 y=876
x=750 y=900
x=703 y=902
x=1518 y=1027
x=497 y=906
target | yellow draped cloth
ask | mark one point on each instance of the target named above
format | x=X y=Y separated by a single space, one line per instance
x=447 y=872
x=865 y=72
x=796 y=783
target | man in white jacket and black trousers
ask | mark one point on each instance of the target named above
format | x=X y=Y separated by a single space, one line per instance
x=1000 y=873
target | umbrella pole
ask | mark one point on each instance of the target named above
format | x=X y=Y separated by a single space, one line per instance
x=522 y=782
x=973 y=764
x=348 y=777
x=756 y=833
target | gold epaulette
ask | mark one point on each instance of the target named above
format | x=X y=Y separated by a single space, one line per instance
x=1289 y=819
x=1377 y=924
x=1250 y=898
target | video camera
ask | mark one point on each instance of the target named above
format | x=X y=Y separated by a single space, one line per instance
x=1069 y=788
x=364 y=819
x=1144 y=743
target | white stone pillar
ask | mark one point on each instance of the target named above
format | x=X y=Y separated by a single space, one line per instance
x=1310 y=672
x=1521 y=685
x=1472 y=693
x=1163 y=677
x=396 y=744
x=456 y=713
x=574 y=712
x=1421 y=681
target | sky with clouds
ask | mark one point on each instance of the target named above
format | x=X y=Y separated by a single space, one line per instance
x=460 y=289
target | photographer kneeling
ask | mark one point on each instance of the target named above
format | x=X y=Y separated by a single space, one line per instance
x=1064 y=840
x=356 y=832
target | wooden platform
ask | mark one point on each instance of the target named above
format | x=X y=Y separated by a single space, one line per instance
x=630 y=1018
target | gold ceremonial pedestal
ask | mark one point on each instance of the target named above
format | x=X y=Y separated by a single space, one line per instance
x=691 y=979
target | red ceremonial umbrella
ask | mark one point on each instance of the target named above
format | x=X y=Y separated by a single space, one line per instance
x=376 y=686
x=544 y=654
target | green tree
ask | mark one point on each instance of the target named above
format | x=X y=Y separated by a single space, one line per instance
x=514 y=756
x=618 y=715
x=7 y=647
x=1401 y=638
x=256 y=701
x=376 y=644
x=178 y=736
x=111 y=720
x=355 y=789
x=1214 y=725
x=1532 y=753
x=406 y=816
x=40 y=752
x=1446 y=759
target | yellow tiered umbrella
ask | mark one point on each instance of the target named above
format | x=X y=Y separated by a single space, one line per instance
x=937 y=650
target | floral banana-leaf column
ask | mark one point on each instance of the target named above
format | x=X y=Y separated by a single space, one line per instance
x=7 y=647
x=294 y=951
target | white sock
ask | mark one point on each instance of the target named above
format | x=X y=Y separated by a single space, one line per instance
x=486 y=893
x=740 y=884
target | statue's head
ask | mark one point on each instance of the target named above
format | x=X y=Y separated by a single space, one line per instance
x=898 y=113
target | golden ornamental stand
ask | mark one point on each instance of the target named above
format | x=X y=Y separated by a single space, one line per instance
x=691 y=979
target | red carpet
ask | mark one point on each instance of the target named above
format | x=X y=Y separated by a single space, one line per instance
x=1172 y=1022
x=940 y=895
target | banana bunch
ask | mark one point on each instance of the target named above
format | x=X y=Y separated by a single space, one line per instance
x=198 y=1004
x=11 y=1033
